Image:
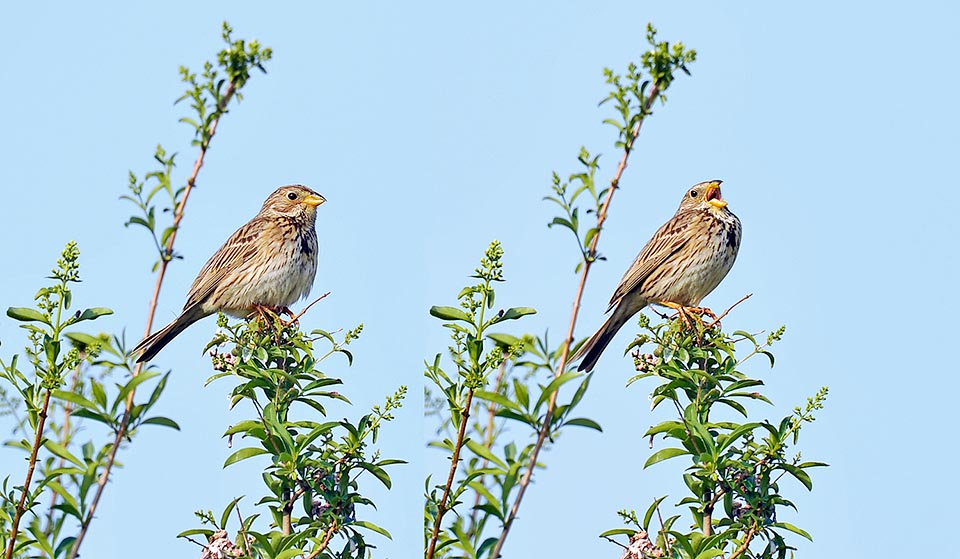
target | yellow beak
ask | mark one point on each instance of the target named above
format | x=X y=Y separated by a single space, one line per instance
x=713 y=196
x=314 y=200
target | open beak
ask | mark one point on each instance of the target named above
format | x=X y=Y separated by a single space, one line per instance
x=713 y=195
x=314 y=200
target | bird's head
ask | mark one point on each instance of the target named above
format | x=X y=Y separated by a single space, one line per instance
x=296 y=201
x=705 y=195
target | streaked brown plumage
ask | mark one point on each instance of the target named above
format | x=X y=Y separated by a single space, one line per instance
x=268 y=263
x=684 y=261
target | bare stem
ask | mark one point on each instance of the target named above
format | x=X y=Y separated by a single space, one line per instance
x=565 y=353
x=746 y=543
x=121 y=432
x=286 y=514
x=323 y=545
x=31 y=466
x=454 y=462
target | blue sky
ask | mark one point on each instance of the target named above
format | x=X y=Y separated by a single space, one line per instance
x=433 y=129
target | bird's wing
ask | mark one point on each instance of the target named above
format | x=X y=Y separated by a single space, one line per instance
x=667 y=241
x=237 y=251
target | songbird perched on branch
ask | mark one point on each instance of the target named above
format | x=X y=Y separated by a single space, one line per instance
x=268 y=264
x=684 y=261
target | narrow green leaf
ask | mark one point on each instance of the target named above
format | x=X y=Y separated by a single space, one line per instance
x=82 y=339
x=664 y=454
x=618 y=532
x=134 y=383
x=497 y=398
x=24 y=314
x=74 y=398
x=802 y=476
x=449 y=313
x=584 y=422
x=516 y=312
x=62 y=452
x=505 y=340
x=485 y=452
x=555 y=385
x=163 y=421
x=90 y=314
x=792 y=528
x=243 y=454
x=377 y=472
x=372 y=527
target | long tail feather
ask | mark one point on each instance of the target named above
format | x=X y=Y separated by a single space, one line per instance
x=591 y=350
x=152 y=344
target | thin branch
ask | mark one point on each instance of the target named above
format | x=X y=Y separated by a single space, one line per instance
x=726 y=312
x=454 y=462
x=243 y=533
x=121 y=432
x=565 y=353
x=296 y=318
x=746 y=543
x=708 y=512
x=65 y=434
x=488 y=433
x=323 y=545
x=32 y=464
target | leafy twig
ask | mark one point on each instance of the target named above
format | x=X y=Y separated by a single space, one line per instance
x=565 y=353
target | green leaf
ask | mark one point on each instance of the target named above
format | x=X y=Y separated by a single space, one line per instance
x=563 y=222
x=735 y=434
x=378 y=472
x=62 y=452
x=618 y=532
x=74 y=398
x=225 y=517
x=504 y=339
x=372 y=527
x=83 y=339
x=134 y=383
x=664 y=454
x=90 y=314
x=792 y=528
x=24 y=314
x=497 y=398
x=159 y=420
x=555 y=385
x=650 y=511
x=243 y=454
x=289 y=553
x=449 y=313
x=802 y=476
x=515 y=313
x=485 y=452
x=584 y=422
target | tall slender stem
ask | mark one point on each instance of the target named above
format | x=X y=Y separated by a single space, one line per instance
x=121 y=432
x=454 y=462
x=565 y=353
x=21 y=505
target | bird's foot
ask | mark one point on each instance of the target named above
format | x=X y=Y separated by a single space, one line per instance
x=704 y=311
x=683 y=313
x=689 y=315
x=294 y=318
x=267 y=315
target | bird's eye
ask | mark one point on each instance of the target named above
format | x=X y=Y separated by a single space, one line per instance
x=292 y=195
x=694 y=193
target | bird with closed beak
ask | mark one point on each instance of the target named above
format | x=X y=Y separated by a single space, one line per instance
x=268 y=264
